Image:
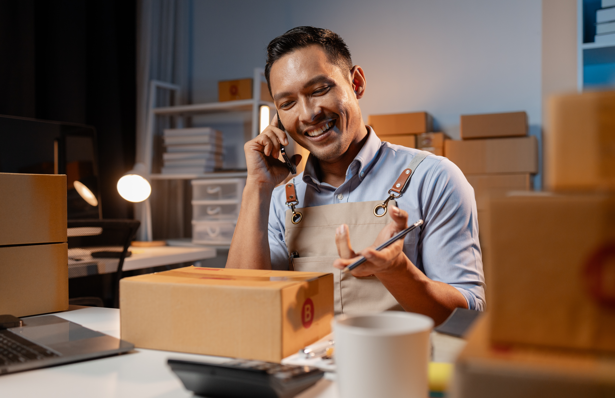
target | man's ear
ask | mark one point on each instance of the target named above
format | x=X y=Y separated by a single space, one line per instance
x=357 y=77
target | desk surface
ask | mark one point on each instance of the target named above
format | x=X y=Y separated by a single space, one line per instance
x=142 y=373
x=142 y=257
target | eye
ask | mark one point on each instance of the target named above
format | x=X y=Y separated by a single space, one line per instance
x=286 y=105
x=322 y=90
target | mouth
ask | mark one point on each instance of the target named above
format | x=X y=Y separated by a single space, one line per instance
x=324 y=128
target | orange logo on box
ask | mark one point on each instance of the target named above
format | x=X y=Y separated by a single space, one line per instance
x=234 y=89
x=307 y=313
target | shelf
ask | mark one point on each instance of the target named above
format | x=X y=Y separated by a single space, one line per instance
x=219 y=174
x=598 y=53
x=212 y=107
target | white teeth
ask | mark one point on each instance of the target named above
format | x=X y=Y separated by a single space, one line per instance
x=317 y=132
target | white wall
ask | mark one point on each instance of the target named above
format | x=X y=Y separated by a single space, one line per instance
x=446 y=57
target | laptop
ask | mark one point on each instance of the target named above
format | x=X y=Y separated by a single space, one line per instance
x=50 y=340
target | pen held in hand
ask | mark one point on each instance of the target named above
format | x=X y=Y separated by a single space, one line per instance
x=385 y=244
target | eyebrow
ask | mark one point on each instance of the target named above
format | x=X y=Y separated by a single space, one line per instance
x=311 y=82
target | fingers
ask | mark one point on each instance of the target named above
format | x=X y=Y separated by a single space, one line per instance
x=400 y=218
x=342 y=241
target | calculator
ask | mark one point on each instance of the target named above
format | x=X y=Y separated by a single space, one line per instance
x=244 y=378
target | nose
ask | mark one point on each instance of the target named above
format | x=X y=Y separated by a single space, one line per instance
x=310 y=111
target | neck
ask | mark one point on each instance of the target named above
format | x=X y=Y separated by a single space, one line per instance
x=334 y=173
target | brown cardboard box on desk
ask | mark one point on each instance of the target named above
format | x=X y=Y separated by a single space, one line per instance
x=580 y=142
x=33 y=250
x=551 y=270
x=485 y=370
x=254 y=314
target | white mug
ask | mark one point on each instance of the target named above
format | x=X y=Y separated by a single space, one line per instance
x=382 y=355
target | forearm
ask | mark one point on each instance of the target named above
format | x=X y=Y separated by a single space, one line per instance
x=250 y=245
x=417 y=293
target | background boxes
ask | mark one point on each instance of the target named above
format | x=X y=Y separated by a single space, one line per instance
x=408 y=140
x=580 y=141
x=33 y=250
x=254 y=314
x=494 y=125
x=400 y=123
x=551 y=270
x=502 y=155
x=241 y=89
x=483 y=370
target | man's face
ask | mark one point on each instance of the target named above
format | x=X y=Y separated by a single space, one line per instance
x=316 y=102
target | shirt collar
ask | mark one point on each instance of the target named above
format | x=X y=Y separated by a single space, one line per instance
x=361 y=164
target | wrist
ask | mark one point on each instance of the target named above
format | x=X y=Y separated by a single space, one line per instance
x=256 y=184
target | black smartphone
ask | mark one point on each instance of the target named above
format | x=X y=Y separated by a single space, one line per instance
x=289 y=164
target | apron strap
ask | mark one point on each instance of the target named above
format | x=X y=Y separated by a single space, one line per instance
x=399 y=186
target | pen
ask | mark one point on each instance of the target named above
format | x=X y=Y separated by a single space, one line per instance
x=385 y=244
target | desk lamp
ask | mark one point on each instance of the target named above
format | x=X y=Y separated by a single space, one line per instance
x=135 y=187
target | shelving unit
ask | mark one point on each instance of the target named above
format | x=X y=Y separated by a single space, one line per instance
x=596 y=61
x=178 y=114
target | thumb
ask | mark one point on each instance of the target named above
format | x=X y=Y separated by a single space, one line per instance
x=400 y=218
x=342 y=241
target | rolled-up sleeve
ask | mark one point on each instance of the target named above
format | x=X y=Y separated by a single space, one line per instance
x=277 y=243
x=450 y=251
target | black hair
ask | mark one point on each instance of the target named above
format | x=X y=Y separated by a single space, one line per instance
x=303 y=36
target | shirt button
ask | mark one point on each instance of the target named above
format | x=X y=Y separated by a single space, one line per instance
x=340 y=196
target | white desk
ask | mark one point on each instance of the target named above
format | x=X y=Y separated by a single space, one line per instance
x=142 y=257
x=143 y=373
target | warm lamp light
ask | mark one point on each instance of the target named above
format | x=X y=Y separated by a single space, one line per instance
x=264 y=118
x=134 y=186
x=85 y=193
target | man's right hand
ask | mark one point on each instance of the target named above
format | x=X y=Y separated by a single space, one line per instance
x=264 y=167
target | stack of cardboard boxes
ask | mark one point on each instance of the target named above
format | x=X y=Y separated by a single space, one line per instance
x=412 y=130
x=496 y=155
x=550 y=326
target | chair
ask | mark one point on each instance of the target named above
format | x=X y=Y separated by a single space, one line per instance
x=108 y=235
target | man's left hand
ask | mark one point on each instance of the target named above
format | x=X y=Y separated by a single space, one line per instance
x=389 y=259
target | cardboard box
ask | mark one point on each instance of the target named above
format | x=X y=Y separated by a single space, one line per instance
x=550 y=270
x=234 y=90
x=580 y=141
x=494 y=184
x=431 y=140
x=493 y=125
x=501 y=155
x=408 y=140
x=32 y=208
x=400 y=123
x=436 y=151
x=33 y=250
x=483 y=370
x=255 y=314
x=33 y=279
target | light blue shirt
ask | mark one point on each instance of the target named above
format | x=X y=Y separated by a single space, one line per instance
x=446 y=248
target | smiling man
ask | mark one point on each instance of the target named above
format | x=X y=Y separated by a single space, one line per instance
x=314 y=222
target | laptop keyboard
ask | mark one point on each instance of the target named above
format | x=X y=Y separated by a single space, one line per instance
x=15 y=349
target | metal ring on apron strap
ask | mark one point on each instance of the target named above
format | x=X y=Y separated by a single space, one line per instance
x=292 y=201
x=383 y=206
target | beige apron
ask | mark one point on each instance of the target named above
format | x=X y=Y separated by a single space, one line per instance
x=311 y=246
